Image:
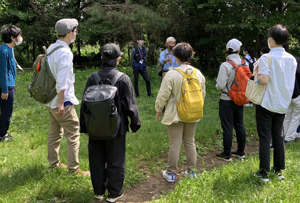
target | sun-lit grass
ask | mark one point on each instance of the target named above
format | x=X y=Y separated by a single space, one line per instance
x=24 y=176
x=234 y=182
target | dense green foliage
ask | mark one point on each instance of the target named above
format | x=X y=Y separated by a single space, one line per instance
x=206 y=24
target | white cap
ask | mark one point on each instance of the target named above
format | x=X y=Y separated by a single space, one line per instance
x=170 y=39
x=234 y=44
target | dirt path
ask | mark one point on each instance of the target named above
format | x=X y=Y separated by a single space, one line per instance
x=155 y=185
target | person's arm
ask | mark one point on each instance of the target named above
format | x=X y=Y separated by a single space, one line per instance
x=132 y=56
x=263 y=70
x=222 y=78
x=83 y=107
x=163 y=93
x=162 y=58
x=129 y=103
x=63 y=75
x=3 y=72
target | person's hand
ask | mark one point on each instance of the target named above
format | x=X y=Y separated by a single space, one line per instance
x=158 y=114
x=61 y=109
x=170 y=60
x=4 y=96
x=132 y=133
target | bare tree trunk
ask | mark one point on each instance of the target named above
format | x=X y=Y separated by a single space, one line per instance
x=28 y=52
x=33 y=50
x=129 y=23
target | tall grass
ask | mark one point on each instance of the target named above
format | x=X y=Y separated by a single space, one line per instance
x=24 y=173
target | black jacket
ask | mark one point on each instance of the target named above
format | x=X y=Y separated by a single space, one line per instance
x=125 y=101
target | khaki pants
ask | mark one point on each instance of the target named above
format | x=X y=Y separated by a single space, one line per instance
x=69 y=126
x=179 y=132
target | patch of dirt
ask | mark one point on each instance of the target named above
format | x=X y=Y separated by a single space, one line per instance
x=156 y=185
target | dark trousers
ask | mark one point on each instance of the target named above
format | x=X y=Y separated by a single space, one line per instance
x=145 y=76
x=269 y=124
x=231 y=116
x=107 y=164
x=6 y=111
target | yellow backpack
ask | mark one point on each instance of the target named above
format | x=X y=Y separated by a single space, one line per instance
x=190 y=106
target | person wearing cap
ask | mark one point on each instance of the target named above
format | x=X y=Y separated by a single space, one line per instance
x=12 y=36
x=62 y=113
x=166 y=58
x=138 y=63
x=107 y=157
x=231 y=115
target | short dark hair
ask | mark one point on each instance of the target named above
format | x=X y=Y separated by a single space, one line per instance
x=279 y=33
x=8 y=31
x=183 y=51
x=108 y=62
x=250 y=51
x=230 y=51
x=265 y=50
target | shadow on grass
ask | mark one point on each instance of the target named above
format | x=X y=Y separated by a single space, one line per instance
x=15 y=178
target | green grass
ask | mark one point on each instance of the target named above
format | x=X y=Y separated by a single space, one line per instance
x=24 y=176
x=234 y=182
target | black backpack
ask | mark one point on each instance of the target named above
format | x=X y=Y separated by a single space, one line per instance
x=101 y=117
x=250 y=65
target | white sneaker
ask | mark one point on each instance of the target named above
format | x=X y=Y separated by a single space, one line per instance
x=169 y=177
x=191 y=175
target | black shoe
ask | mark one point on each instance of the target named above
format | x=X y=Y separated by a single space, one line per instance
x=223 y=157
x=285 y=141
x=113 y=198
x=6 y=138
x=150 y=95
x=262 y=175
x=278 y=173
x=238 y=155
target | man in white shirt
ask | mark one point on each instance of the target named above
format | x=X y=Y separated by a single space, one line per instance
x=279 y=80
x=62 y=113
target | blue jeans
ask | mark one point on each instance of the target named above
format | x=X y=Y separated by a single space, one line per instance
x=6 y=111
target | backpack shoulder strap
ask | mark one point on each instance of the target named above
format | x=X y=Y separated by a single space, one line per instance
x=56 y=48
x=180 y=71
x=96 y=77
x=165 y=54
x=235 y=66
x=116 y=78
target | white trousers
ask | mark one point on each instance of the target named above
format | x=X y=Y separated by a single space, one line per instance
x=291 y=120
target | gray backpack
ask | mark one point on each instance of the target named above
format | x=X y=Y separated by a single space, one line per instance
x=101 y=117
x=42 y=86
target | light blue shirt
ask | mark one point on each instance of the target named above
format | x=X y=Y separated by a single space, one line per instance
x=163 y=57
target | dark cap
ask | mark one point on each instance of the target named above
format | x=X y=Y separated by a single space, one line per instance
x=141 y=38
x=111 y=51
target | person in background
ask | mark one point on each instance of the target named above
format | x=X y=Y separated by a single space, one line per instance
x=12 y=36
x=231 y=115
x=280 y=82
x=249 y=57
x=292 y=116
x=178 y=129
x=264 y=50
x=138 y=63
x=166 y=58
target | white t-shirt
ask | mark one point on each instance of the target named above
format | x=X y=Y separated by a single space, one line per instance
x=280 y=87
x=61 y=66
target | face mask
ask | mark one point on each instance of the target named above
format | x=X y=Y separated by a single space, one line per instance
x=269 y=44
x=141 y=43
x=171 y=47
x=20 y=40
x=73 y=40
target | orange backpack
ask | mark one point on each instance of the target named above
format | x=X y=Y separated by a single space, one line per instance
x=239 y=84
